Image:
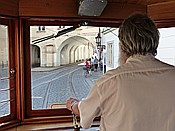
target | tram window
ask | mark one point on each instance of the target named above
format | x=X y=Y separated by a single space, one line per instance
x=4 y=82
x=166 y=48
x=51 y=72
x=165 y=51
x=49 y=86
x=7 y=71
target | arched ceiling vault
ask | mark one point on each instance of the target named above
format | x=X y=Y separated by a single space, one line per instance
x=75 y=41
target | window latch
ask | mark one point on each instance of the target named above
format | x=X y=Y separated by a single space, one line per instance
x=12 y=71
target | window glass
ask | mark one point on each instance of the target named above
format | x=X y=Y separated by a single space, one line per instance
x=4 y=80
x=165 y=51
x=166 y=48
x=57 y=58
x=52 y=51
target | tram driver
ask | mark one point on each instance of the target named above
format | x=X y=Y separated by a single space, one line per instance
x=138 y=95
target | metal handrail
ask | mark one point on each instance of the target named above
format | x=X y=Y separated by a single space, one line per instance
x=5 y=78
x=6 y=89
x=8 y=100
x=5 y=103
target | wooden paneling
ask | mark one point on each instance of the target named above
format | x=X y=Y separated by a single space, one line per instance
x=121 y=11
x=9 y=7
x=69 y=8
x=155 y=1
x=162 y=11
x=116 y=9
x=141 y=2
x=49 y=8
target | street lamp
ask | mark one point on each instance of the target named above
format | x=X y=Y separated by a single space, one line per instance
x=98 y=41
x=100 y=48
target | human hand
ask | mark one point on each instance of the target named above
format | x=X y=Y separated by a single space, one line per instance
x=70 y=102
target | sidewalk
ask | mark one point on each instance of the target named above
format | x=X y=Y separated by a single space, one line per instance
x=45 y=69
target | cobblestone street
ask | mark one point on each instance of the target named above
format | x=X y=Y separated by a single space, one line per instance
x=51 y=86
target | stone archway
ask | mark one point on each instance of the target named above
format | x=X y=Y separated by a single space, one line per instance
x=66 y=52
x=35 y=56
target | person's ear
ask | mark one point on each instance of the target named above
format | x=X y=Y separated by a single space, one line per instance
x=121 y=46
x=124 y=56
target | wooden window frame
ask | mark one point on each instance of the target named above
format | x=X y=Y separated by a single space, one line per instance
x=12 y=24
x=19 y=42
x=30 y=115
x=62 y=114
x=59 y=115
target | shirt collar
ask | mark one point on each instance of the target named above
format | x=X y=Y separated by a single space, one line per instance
x=140 y=57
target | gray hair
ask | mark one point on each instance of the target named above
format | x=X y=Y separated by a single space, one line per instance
x=138 y=34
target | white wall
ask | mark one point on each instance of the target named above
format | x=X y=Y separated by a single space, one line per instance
x=165 y=51
x=166 y=48
x=111 y=37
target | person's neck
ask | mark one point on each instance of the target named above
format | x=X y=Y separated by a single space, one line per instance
x=137 y=55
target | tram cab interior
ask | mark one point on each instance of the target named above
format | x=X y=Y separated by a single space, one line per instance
x=17 y=17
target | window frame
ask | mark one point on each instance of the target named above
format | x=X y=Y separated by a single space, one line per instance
x=18 y=43
x=12 y=23
x=62 y=114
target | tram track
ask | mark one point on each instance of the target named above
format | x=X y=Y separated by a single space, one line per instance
x=51 y=76
x=71 y=87
x=56 y=78
x=72 y=91
x=76 y=85
x=46 y=83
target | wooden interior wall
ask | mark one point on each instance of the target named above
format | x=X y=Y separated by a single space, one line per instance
x=9 y=7
x=158 y=10
x=162 y=11
x=69 y=8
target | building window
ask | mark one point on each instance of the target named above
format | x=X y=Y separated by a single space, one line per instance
x=110 y=54
x=41 y=29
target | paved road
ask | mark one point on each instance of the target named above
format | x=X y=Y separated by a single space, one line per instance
x=4 y=94
x=56 y=86
x=52 y=85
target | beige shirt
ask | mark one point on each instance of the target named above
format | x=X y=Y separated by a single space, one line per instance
x=137 y=96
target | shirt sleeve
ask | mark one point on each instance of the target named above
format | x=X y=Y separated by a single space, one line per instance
x=89 y=108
